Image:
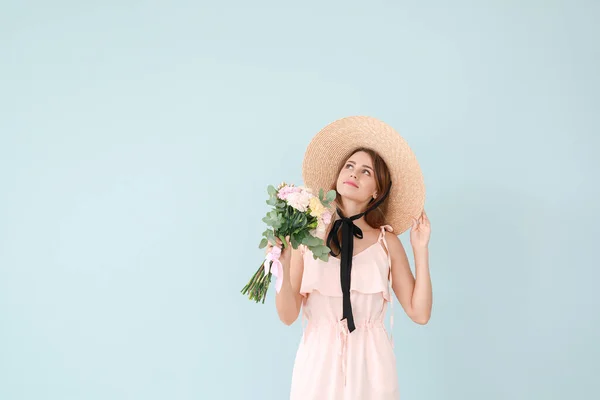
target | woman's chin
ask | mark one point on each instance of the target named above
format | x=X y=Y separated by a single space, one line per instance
x=350 y=194
x=343 y=191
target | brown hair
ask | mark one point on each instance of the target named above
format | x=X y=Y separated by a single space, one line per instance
x=375 y=218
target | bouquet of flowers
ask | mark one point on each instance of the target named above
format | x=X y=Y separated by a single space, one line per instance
x=296 y=213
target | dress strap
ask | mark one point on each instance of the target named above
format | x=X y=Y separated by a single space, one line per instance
x=388 y=228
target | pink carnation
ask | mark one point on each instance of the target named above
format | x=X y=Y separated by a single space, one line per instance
x=285 y=191
x=326 y=217
x=299 y=200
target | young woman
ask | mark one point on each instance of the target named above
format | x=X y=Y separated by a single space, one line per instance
x=345 y=352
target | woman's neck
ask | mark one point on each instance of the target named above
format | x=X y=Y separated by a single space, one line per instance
x=350 y=209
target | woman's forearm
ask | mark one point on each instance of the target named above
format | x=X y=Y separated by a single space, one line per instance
x=287 y=300
x=422 y=298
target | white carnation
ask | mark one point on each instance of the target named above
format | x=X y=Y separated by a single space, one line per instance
x=299 y=200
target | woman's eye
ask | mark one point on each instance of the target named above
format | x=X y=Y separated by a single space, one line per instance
x=367 y=171
x=348 y=165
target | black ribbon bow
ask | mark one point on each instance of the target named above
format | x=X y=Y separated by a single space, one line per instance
x=349 y=231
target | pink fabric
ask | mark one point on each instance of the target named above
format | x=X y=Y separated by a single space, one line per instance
x=331 y=363
x=273 y=265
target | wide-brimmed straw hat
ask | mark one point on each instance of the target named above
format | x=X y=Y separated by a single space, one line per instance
x=337 y=141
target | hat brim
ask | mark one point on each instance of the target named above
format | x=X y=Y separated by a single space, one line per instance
x=336 y=142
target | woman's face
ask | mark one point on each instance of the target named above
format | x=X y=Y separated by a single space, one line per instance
x=356 y=180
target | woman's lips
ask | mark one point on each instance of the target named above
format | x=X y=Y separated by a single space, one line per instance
x=351 y=184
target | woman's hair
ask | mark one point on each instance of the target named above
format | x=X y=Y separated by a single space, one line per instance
x=375 y=218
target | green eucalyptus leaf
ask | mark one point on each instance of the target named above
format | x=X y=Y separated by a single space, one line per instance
x=294 y=241
x=310 y=241
x=331 y=195
x=271 y=237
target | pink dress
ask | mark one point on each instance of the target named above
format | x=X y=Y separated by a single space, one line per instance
x=331 y=363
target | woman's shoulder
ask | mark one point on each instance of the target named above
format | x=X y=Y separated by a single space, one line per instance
x=388 y=231
x=391 y=238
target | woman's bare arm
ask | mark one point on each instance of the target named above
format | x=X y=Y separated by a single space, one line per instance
x=289 y=300
x=414 y=294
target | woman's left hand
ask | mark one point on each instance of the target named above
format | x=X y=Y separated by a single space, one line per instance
x=421 y=231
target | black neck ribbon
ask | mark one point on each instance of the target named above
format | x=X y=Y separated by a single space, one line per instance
x=349 y=231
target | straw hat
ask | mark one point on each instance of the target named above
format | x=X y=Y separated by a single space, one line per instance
x=337 y=141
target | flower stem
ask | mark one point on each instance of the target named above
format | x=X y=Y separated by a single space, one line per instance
x=256 y=288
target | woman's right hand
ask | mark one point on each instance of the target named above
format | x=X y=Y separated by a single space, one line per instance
x=286 y=253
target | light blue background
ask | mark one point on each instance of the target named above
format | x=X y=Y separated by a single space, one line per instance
x=137 y=140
